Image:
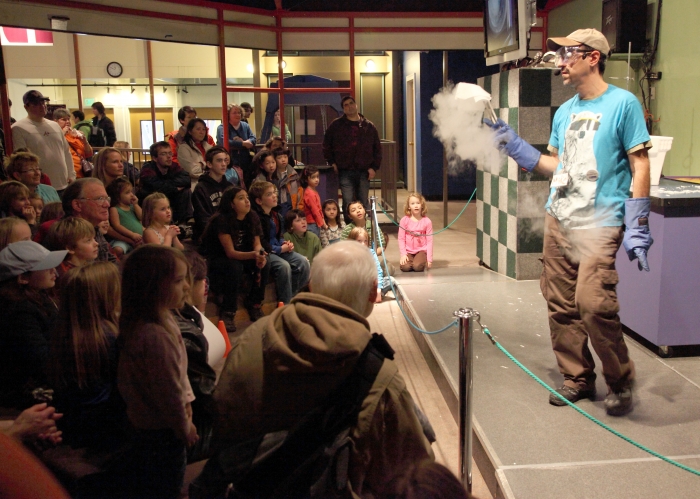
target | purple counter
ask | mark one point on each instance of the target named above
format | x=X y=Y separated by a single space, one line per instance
x=663 y=306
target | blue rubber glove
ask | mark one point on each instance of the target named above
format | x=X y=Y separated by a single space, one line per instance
x=637 y=239
x=513 y=145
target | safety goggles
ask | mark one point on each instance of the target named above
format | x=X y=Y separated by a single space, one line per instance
x=565 y=55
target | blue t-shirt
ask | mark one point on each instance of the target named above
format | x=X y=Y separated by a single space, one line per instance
x=47 y=193
x=592 y=138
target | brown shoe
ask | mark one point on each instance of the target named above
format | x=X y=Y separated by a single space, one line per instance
x=573 y=395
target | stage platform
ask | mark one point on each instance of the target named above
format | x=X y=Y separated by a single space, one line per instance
x=528 y=449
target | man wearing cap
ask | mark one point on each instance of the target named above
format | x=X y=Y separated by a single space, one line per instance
x=598 y=145
x=45 y=139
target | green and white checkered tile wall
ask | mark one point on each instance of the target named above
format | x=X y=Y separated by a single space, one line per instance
x=510 y=202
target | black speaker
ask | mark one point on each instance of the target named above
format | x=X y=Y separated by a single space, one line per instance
x=625 y=21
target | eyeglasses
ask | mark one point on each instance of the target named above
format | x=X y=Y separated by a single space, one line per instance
x=98 y=200
x=168 y=154
x=564 y=55
x=32 y=170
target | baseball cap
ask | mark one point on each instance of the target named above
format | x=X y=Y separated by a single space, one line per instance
x=34 y=97
x=27 y=256
x=589 y=36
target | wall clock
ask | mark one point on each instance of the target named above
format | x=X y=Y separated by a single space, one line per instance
x=114 y=69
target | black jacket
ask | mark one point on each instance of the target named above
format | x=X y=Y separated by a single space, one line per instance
x=338 y=145
x=205 y=201
x=152 y=180
x=107 y=126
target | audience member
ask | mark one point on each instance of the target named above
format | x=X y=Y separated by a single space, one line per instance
x=157 y=216
x=130 y=171
x=290 y=363
x=415 y=235
x=13 y=229
x=125 y=214
x=200 y=373
x=277 y=142
x=77 y=236
x=208 y=191
x=232 y=244
x=52 y=211
x=23 y=166
x=277 y=127
x=425 y=480
x=152 y=370
x=80 y=149
x=109 y=165
x=291 y=193
x=334 y=223
x=290 y=270
x=79 y=122
x=193 y=149
x=27 y=273
x=45 y=139
x=14 y=202
x=310 y=179
x=103 y=132
x=177 y=137
x=82 y=364
x=356 y=212
x=38 y=205
x=247 y=111
x=265 y=167
x=37 y=423
x=384 y=284
x=241 y=140
x=162 y=175
x=305 y=243
x=87 y=198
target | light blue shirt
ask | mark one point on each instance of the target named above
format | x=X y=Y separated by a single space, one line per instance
x=593 y=138
x=47 y=193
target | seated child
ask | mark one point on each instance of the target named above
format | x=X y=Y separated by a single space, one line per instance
x=125 y=214
x=357 y=214
x=13 y=229
x=231 y=241
x=305 y=243
x=290 y=270
x=415 y=235
x=157 y=216
x=291 y=193
x=334 y=221
x=264 y=164
x=49 y=215
x=383 y=283
x=37 y=203
x=76 y=235
x=14 y=202
x=208 y=191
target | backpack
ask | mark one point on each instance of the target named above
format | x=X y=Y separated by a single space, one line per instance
x=310 y=460
x=97 y=136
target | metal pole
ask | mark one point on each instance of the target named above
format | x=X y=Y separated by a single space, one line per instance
x=466 y=318
x=373 y=214
x=444 y=150
x=78 y=74
x=149 y=57
x=222 y=77
x=5 y=105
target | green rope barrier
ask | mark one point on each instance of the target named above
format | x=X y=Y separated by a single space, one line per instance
x=584 y=413
x=432 y=233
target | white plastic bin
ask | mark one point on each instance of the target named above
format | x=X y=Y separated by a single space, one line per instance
x=661 y=145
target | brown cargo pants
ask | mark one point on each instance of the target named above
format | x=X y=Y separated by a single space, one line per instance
x=579 y=283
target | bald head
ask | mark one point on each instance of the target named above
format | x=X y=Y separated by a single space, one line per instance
x=346 y=272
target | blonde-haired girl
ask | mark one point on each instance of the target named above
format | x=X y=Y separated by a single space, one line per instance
x=415 y=235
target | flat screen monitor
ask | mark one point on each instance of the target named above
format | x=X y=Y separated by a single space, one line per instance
x=506 y=23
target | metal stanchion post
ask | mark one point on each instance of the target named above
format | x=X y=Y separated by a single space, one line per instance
x=372 y=214
x=466 y=317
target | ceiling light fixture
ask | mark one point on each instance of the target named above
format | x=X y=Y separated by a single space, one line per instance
x=185 y=90
x=133 y=90
x=370 y=65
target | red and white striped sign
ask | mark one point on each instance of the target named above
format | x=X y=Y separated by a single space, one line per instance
x=26 y=37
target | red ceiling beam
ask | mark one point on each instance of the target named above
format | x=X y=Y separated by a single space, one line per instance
x=553 y=4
